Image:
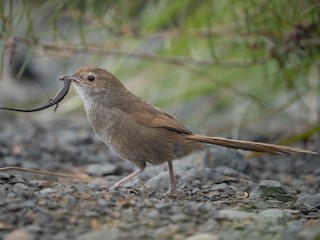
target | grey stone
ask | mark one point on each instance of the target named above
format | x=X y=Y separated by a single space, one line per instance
x=235 y=214
x=272 y=213
x=33 y=228
x=227 y=171
x=219 y=187
x=159 y=181
x=226 y=157
x=110 y=234
x=154 y=214
x=4 y=176
x=101 y=169
x=203 y=236
x=46 y=191
x=20 y=234
x=309 y=201
x=29 y=203
x=269 y=189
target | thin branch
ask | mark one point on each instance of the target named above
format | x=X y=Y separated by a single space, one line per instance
x=96 y=49
x=44 y=172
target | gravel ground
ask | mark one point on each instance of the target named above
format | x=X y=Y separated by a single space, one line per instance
x=221 y=194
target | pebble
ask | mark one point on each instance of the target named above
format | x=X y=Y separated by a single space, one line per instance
x=29 y=203
x=235 y=215
x=47 y=191
x=100 y=170
x=203 y=236
x=159 y=181
x=4 y=176
x=153 y=214
x=274 y=214
x=34 y=228
x=226 y=157
x=112 y=234
x=269 y=189
x=309 y=201
x=19 y=234
x=219 y=187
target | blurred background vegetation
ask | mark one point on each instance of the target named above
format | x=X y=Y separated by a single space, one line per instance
x=233 y=68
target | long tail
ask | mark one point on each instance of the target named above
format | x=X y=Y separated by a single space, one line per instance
x=248 y=145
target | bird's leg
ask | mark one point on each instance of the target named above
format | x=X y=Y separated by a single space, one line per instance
x=173 y=182
x=127 y=178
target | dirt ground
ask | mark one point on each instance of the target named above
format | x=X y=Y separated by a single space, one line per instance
x=221 y=194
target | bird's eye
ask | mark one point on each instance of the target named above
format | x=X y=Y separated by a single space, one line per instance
x=91 y=78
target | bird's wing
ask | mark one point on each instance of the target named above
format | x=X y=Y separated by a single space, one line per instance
x=151 y=116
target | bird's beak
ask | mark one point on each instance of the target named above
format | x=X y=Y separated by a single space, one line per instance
x=68 y=77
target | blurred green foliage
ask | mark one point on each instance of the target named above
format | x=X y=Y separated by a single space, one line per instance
x=224 y=64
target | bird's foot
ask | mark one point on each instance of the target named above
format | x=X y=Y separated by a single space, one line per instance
x=171 y=190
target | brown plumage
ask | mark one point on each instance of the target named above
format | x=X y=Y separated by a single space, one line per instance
x=248 y=145
x=136 y=130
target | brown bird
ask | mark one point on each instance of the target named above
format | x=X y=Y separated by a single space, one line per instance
x=136 y=130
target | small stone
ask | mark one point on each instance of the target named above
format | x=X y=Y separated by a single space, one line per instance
x=272 y=213
x=40 y=183
x=19 y=188
x=10 y=161
x=234 y=214
x=192 y=207
x=310 y=230
x=203 y=236
x=178 y=217
x=269 y=189
x=261 y=204
x=90 y=214
x=102 y=202
x=309 y=201
x=46 y=191
x=100 y=170
x=219 y=187
x=20 y=234
x=226 y=157
x=4 y=176
x=154 y=214
x=110 y=234
x=34 y=228
x=159 y=181
x=29 y=203
x=227 y=171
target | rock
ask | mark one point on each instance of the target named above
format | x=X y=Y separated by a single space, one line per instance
x=4 y=176
x=159 y=181
x=46 y=191
x=110 y=234
x=309 y=201
x=34 y=228
x=20 y=234
x=153 y=214
x=309 y=205
x=272 y=213
x=292 y=229
x=219 y=187
x=226 y=157
x=203 y=236
x=10 y=161
x=234 y=214
x=20 y=189
x=29 y=203
x=310 y=231
x=227 y=171
x=100 y=170
x=269 y=189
